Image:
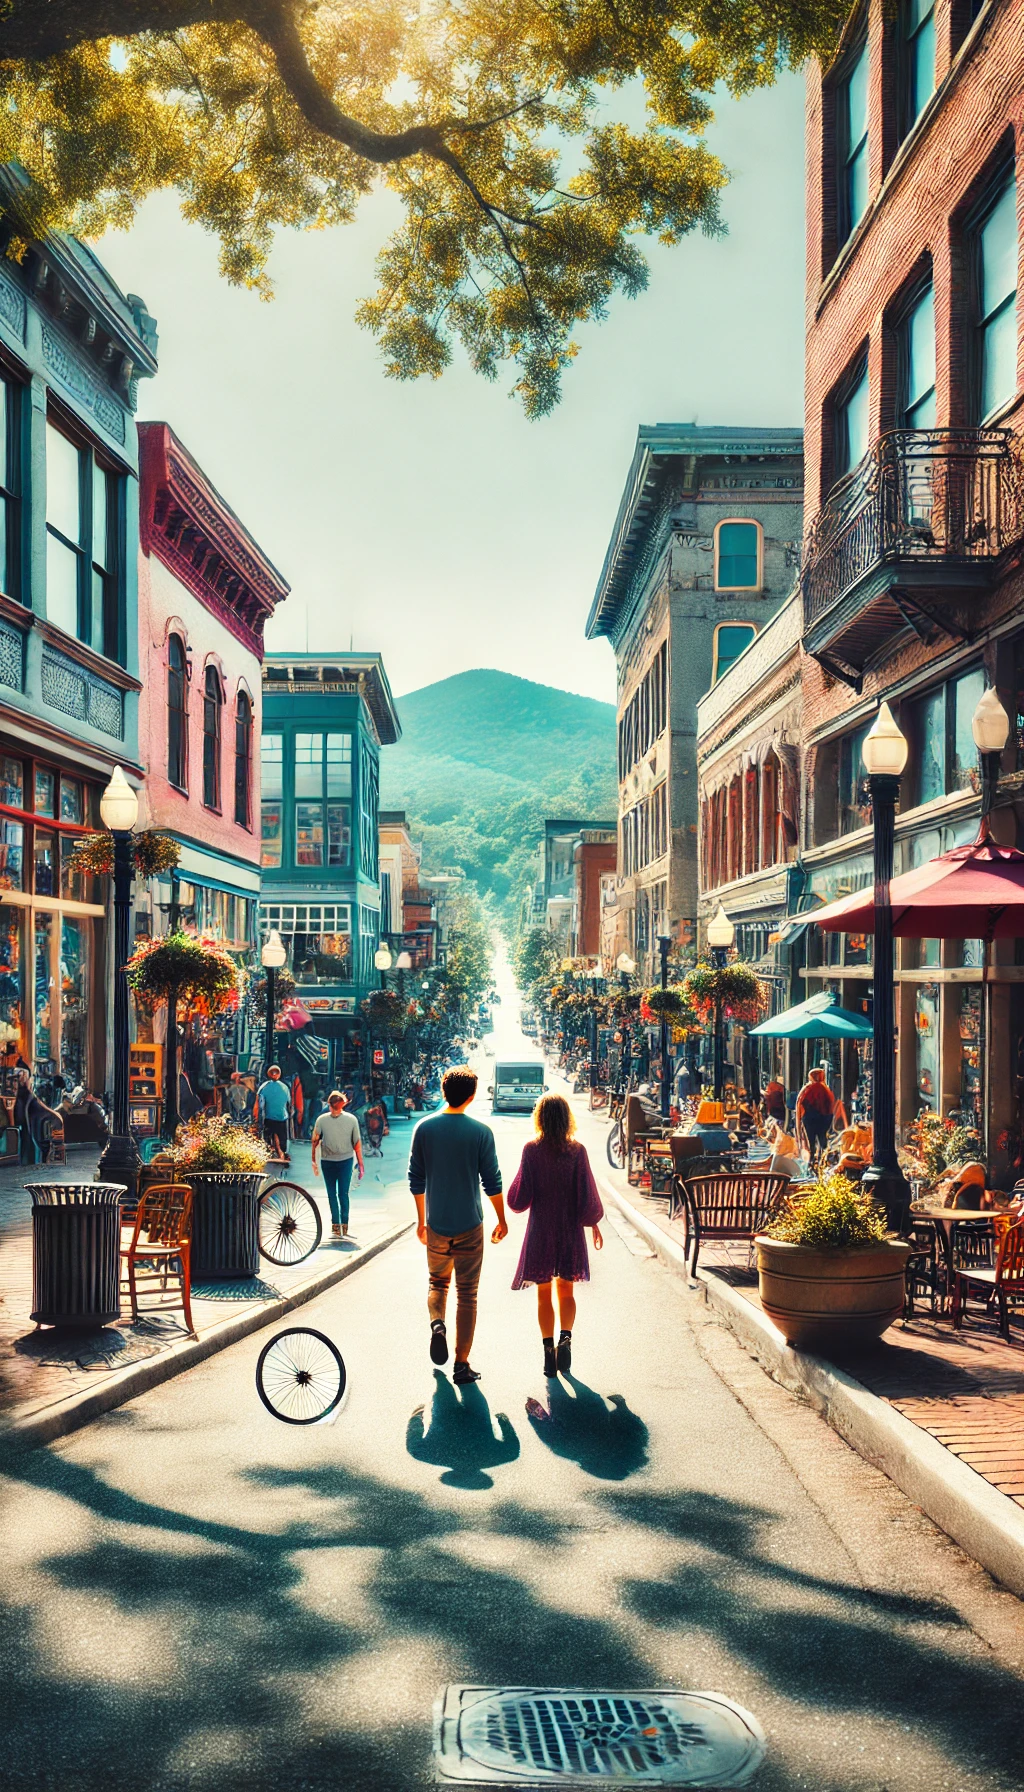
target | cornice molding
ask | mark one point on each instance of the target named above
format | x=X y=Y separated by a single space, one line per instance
x=187 y=525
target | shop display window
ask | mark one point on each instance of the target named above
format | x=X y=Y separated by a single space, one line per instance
x=44 y=1042
x=926 y=1026
x=74 y=932
x=45 y=791
x=45 y=862
x=970 y=1049
x=12 y=852
x=12 y=973
x=72 y=808
x=12 y=783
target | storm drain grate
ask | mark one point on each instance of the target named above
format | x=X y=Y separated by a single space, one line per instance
x=530 y=1736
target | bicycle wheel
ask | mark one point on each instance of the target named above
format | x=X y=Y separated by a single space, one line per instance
x=290 y=1227
x=616 y=1146
x=300 y=1376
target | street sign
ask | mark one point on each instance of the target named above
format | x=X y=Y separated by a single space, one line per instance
x=378 y=1055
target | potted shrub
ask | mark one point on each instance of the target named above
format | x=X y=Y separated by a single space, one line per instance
x=226 y=1169
x=829 y=1274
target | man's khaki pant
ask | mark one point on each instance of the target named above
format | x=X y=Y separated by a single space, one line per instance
x=465 y=1255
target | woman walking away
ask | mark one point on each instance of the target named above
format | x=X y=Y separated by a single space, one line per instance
x=556 y=1184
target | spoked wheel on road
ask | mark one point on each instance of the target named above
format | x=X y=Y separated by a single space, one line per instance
x=300 y=1376
x=616 y=1145
x=290 y=1227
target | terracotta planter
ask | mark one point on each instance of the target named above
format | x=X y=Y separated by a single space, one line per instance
x=831 y=1299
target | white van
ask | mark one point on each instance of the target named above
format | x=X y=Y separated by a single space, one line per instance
x=516 y=1088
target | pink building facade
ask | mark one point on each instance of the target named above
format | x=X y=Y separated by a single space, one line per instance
x=206 y=589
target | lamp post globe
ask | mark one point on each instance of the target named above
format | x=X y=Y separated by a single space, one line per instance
x=625 y=965
x=885 y=756
x=990 y=726
x=119 y=810
x=404 y=961
x=721 y=932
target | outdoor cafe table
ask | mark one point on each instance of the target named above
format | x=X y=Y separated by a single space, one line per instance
x=944 y=1219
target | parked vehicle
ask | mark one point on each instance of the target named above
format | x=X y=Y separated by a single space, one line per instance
x=516 y=1088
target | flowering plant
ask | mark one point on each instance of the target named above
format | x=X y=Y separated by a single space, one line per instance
x=152 y=853
x=941 y=1145
x=183 y=967
x=387 y=1013
x=670 y=1003
x=212 y=1142
x=736 y=988
x=284 y=989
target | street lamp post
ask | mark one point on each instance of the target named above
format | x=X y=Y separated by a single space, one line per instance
x=626 y=968
x=885 y=755
x=721 y=935
x=119 y=811
x=593 y=1029
x=382 y=962
x=664 y=946
x=273 y=955
x=990 y=726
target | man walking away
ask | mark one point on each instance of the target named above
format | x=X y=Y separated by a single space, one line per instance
x=273 y=1108
x=336 y=1133
x=452 y=1156
x=815 y=1106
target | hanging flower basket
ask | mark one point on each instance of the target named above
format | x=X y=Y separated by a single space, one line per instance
x=388 y=1014
x=736 y=988
x=196 y=971
x=284 y=989
x=668 y=1004
x=152 y=854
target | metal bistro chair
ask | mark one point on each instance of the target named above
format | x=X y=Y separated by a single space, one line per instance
x=160 y=1246
x=926 y=1272
x=639 y=1128
x=730 y=1206
x=1002 y=1282
x=689 y=1158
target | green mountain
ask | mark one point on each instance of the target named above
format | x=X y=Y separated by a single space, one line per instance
x=483 y=758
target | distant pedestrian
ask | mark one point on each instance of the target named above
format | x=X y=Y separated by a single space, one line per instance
x=451 y=1157
x=774 y=1099
x=336 y=1134
x=273 y=1108
x=815 y=1106
x=556 y=1185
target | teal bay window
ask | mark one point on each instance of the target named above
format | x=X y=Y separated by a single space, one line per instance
x=84 y=530
x=306 y=801
x=317 y=937
x=272 y=801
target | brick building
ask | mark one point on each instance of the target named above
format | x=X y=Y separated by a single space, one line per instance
x=912 y=582
x=704 y=549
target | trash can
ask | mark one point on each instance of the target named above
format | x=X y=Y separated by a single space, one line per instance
x=225 y=1224
x=76 y=1252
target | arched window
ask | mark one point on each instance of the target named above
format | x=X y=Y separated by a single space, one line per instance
x=177 y=713
x=738 y=557
x=243 y=758
x=213 y=700
x=730 y=640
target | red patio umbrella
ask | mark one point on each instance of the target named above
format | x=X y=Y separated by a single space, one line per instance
x=973 y=892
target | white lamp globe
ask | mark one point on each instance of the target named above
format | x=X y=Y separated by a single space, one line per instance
x=382 y=959
x=273 y=952
x=625 y=964
x=404 y=961
x=990 y=724
x=119 y=805
x=885 y=748
x=721 y=931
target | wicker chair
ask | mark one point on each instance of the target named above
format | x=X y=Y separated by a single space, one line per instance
x=1002 y=1282
x=160 y=1247
x=730 y=1206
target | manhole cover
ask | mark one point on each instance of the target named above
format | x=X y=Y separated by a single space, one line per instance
x=527 y=1735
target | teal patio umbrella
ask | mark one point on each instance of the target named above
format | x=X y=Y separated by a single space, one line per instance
x=820 y=1017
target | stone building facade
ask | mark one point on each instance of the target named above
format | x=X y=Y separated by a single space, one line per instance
x=912 y=582
x=704 y=550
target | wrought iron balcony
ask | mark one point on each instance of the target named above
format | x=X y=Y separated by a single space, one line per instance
x=908 y=537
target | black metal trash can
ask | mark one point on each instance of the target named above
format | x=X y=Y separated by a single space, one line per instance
x=76 y=1252
x=225 y=1224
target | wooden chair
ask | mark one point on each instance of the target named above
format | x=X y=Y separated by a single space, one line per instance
x=639 y=1128
x=1003 y=1282
x=688 y=1159
x=160 y=1243
x=730 y=1206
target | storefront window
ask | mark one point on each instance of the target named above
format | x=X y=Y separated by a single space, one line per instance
x=853 y=812
x=272 y=795
x=12 y=783
x=45 y=859
x=73 y=998
x=322 y=957
x=44 y=987
x=45 y=791
x=12 y=977
x=71 y=806
x=926 y=1022
x=930 y=740
x=967 y=693
x=339 y=833
x=858 y=948
x=970 y=1050
x=970 y=954
x=12 y=840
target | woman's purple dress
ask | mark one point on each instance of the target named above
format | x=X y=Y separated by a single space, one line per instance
x=559 y=1190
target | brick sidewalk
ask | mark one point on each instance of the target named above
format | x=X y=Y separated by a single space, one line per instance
x=42 y=1366
x=965 y=1389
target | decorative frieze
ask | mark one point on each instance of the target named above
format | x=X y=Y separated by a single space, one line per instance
x=78 y=381
x=81 y=694
x=12 y=306
x=12 y=657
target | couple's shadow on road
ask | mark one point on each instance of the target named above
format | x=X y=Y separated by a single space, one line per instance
x=604 y=1437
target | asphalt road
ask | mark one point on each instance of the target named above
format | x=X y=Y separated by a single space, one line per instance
x=197 y=1596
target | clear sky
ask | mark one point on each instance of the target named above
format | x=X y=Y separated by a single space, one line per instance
x=430 y=520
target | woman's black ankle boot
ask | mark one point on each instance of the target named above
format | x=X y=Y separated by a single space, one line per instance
x=564 y=1357
x=550 y=1366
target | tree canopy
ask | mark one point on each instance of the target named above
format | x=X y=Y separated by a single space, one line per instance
x=506 y=128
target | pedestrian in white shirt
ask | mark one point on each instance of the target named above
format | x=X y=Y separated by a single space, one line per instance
x=337 y=1140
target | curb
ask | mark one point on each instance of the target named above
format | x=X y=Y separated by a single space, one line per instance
x=987 y=1526
x=70 y=1414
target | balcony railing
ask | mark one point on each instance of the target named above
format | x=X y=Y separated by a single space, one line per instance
x=947 y=498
